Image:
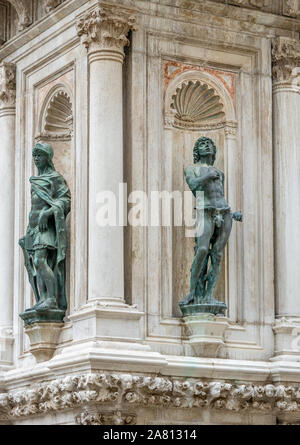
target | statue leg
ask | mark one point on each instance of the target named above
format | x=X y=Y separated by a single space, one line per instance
x=216 y=255
x=201 y=251
x=46 y=280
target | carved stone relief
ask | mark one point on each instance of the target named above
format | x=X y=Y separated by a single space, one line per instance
x=107 y=27
x=195 y=102
x=58 y=120
x=145 y=391
x=7 y=85
x=49 y=5
x=254 y=3
x=87 y=417
x=286 y=59
x=24 y=18
x=291 y=8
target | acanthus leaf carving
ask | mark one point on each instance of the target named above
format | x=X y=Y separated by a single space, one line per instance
x=7 y=85
x=106 y=27
x=24 y=19
x=252 y=3
x=286 y=59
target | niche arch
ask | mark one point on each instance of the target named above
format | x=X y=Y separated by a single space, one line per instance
x=56 y=115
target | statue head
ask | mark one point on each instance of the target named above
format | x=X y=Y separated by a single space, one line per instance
x=43 y=155
x=204 y=151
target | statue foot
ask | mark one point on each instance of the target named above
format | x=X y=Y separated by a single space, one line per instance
x=35 y=306
x=210 y=299
x=188 y=299
x=49 y=303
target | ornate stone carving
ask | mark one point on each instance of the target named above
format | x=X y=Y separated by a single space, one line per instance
x=49 y=5
x=135 y=390
x=195 y=102
x=7 y=85
x=106 y=27
x=285 y=58
x=58 y=119
x=105 y=418
x=254 y=3
x=24 y=18
x=291 y=8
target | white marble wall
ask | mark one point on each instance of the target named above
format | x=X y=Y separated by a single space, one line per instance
x=122 y=305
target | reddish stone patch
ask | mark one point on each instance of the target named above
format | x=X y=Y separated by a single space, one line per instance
x=178 y=68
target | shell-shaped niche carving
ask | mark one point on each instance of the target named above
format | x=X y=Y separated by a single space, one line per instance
x=194 y=102
x=59 y=117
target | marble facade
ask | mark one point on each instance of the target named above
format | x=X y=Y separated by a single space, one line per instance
x=123 y=352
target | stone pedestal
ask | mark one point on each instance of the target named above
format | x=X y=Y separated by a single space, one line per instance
x=99 y=321
x=286 y=110
x=48 y=316
x=206 y=333
x=43 y=339
x=7 y=196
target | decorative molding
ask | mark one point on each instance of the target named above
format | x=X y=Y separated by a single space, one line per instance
x=56 y=120
x=194 y=103
x=106 y=28
x=7 y=85
x=172 y=69
x=286 y=60
x=49 y=5
x=58 y=115
x=24 y=19
x=259 y=4
x=148 y=391
x=86 y=417
x=291 y=8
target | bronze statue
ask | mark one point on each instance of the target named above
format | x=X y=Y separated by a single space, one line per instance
x=217 y=221
x=44 y=245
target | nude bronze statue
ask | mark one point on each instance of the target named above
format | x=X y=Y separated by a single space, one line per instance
x=204 y=178
x=44 y=245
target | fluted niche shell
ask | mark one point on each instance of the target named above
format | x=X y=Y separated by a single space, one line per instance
x=196 y=102
x=59 y=114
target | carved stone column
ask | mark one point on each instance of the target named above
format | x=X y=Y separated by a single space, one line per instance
x=7 y=152
x=286 y=112
x=104 y=33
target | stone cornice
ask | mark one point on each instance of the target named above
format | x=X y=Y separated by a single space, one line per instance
x=286 y=60
x=259 y=4
x=123 y=391
x=7 y=85
x=105 y=28
x=30 y=38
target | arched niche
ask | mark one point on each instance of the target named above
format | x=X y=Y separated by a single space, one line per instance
x=55 y=127
x=197 y=104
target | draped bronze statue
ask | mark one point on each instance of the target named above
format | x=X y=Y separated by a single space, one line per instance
x=213 y=222
x=44 y=245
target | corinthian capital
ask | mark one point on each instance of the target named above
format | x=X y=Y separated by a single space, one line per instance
x=106 y=28
x=291 y=8
x=286 y=59
x=7 y=85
